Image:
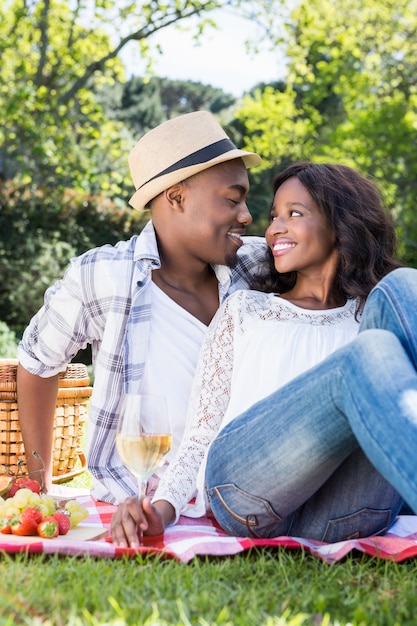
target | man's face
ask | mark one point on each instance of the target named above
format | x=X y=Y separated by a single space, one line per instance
x=215 y=212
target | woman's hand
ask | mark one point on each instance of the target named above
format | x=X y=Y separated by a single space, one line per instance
x=134 y=518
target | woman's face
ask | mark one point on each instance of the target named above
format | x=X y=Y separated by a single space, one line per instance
x=298 y=235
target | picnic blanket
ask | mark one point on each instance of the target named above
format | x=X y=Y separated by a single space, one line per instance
x=203 y=537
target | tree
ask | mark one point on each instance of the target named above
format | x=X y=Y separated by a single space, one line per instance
x=142 y=104
x=63 y=162
x=350 y=96
x=52 y=131
x=55 y=58
x=40 y=230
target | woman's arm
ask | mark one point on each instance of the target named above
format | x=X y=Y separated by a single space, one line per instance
x=134 y=518
x=208 y=402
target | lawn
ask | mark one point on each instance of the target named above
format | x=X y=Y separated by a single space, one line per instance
x=261 y=588
x=258 y=588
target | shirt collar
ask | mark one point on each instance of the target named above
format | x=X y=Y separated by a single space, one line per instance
x=147 y=248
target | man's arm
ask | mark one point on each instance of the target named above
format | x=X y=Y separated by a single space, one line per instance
x=36 y=398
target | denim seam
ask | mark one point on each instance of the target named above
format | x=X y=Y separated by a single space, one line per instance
x=245 y=522
x=364 y=425
x=397 y=310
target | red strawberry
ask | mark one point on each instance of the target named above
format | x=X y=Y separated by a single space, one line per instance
x=5 y=527
x=24 y=481
x=32 y=512
x=23 y=527
x=48 y=528
x=15 y=487
x=64 y=522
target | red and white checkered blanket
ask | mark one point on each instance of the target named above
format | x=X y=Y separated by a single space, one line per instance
x=202 y=537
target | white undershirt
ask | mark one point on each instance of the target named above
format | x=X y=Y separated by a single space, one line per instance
x=174 y=344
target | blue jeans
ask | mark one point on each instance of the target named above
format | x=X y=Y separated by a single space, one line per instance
x=327 y=455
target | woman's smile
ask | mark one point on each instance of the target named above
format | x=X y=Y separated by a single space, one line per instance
x=281 y=246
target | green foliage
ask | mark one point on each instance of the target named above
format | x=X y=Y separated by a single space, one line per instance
x=65 y=134
x=48 y=226
x=54 y=135
x=55 y=58
x=8 y=342
x=143 y=103
x=350 y=97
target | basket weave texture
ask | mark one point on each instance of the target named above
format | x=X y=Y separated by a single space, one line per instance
x=68 y=459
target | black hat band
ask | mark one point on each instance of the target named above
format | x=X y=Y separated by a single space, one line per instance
x=200 y=156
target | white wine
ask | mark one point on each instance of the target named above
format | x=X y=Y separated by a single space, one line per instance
x=143 y=454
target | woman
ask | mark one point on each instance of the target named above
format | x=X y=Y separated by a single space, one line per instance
x=278 y=413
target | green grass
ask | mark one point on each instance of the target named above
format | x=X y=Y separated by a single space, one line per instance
x=260 y=588
x=257 y=588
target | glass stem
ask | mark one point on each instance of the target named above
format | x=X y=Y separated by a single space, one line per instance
x=142 y=488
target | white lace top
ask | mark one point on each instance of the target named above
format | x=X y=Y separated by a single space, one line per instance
x=256 y=343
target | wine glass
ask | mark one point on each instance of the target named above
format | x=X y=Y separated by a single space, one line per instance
x=143 y=436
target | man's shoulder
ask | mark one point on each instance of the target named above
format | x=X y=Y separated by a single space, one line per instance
x=252 y=245
x=251 y=259
x=120 y=251
x=251 y=253
x=254 y=240
x=104 y=270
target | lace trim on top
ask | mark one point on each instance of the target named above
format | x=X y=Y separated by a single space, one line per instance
x=211 y=388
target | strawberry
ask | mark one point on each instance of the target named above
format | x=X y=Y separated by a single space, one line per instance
x=48 y=528
x=23 y=527
x=32 y=512
x=64 y=522
x=24 y=481
x=5 y=527
x=31 y=484
x=15 y=487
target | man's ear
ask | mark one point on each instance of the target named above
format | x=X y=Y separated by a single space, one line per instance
x=175 y=196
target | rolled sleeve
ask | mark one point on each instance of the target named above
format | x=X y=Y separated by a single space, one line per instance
x=56 y=333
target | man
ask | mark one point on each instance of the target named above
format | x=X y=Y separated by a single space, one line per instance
x=144 y=304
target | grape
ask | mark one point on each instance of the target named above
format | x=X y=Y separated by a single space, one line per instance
x=72 y=506
x=21 y=498
x=43 y=508
x=34 y=498
x=78 y=516
x=49 y=503
x=12 y=510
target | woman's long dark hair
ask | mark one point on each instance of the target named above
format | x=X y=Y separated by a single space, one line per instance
x=364 y=231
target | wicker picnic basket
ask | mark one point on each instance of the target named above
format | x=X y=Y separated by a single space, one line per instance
x=68 y=459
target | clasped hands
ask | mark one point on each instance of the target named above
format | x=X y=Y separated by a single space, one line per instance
x=135 y=518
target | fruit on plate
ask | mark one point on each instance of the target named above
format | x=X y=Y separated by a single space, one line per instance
x=48 y=528
x=23 y=525
x=31 y=512
x=24 y=482
x=64 y=521
x=5 y=527
x=24 y=513
x=77 y=512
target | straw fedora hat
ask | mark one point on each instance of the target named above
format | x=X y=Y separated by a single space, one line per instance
x=177 y=149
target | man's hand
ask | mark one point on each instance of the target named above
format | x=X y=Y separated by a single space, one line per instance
x=135 y=518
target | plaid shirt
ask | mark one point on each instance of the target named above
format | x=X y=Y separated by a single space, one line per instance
x=105 y=300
